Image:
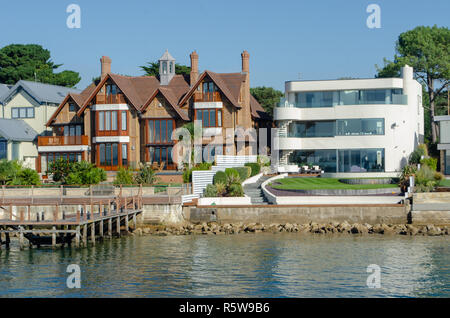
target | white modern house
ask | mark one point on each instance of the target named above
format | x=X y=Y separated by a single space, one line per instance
x=351 y=126
x=444 y=142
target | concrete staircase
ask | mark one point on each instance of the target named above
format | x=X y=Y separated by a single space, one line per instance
x=255 y=192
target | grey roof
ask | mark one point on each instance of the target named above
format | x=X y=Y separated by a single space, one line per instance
x=42 y=93
x=3 y=89
x=16 y=130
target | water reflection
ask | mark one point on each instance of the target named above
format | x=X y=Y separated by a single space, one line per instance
x=263 y=265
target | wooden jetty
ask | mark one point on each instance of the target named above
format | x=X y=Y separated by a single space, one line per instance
x=98 y=217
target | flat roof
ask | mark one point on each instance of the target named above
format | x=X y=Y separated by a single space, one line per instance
x=442 y=118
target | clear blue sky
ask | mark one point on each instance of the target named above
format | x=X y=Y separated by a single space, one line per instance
x=318 y=39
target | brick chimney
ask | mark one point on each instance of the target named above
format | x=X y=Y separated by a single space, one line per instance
x=245 y=113
x=194 y=68
x=106 y=65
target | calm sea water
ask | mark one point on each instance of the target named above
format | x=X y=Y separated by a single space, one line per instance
x=244 y=265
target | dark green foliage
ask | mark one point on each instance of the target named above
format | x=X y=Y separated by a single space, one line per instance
x=13 y=173
x=255 y=168
x=427 y=50
x=60 y=169
x=220 y=177
x=28 y=176
x=416 y=155
x=32 y=62
x=76 y=172
x=231 y=172
x=267 y=97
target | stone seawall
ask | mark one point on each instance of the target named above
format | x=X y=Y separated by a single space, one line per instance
x=392 y=214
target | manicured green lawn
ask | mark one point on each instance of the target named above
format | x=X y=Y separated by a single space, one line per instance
x=445 y=183
x=323 y=183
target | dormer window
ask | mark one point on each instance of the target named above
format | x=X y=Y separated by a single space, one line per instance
x=71 y=107
x=164 y=67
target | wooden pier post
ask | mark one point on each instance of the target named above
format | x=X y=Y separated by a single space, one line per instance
x=21 y=245
x=85 y=213
x=109 y=207
x=7 y=240
x=126 y=223
x=101 y=228
x=93 y=233
x=54 y=236
x=118 y=225
x=92 y=211
x=134 y=221
x=77 y=236
x=78 y=216
x=110 y=227
x=85 y=235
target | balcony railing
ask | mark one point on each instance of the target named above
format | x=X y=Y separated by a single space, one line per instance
x=110 y=99
x=397 y=99
x=63 y=140
x=207 y=97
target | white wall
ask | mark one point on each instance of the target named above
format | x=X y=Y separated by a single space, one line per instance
x=403 y=123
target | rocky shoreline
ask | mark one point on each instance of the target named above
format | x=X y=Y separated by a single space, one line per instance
x=311 y=228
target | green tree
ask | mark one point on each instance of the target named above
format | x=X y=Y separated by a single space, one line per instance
x=268 y=97
x=427 y=50
x=152 y=69
x=32 y=62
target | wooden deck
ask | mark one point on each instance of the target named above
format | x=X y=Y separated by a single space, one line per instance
x=98 y=217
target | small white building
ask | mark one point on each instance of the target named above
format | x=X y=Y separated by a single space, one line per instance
x=351 y=126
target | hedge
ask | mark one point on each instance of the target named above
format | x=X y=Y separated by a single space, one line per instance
x=221 y=177
x=244 y=172
x=254 y=167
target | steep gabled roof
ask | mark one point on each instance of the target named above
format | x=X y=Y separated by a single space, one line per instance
x=77 y=98
x=139 y=89
x=171 y=98
x=228 y=83
x=16 y=130
x=42 y=93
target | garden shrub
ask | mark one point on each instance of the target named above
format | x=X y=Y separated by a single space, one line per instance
x=430 y=162
x=255 y=167
x=416 y=155
x=28 y=176
x=220 y=177
x=231 y=172
x=210 y=191
x=235 y=190
x=221 y=189
x=187 y=173
x=146 y=175
x=124 y=176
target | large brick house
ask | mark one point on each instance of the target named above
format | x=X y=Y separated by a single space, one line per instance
x=124 y=120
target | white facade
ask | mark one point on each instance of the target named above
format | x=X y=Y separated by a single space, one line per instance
x=388 y=110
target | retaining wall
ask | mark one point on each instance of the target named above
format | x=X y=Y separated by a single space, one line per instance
x=372 y=214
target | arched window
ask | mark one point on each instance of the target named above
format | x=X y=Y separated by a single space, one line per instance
x=164 y=67
x=171 y=67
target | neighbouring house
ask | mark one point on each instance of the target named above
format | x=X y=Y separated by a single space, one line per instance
x=124 y=120
x=18 y=141
x=444 y=142
x=352 y=125
x=31 y=103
